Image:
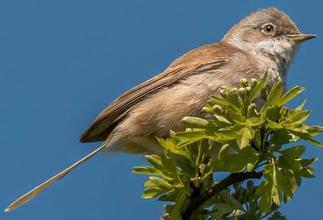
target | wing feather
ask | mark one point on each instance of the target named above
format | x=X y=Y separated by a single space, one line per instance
x=195 y=61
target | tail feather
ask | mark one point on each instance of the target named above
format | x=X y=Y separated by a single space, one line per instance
x=38 y=189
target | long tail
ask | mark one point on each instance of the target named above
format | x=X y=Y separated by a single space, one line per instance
x=38 y=189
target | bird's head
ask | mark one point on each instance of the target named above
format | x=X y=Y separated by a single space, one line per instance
x=269 y=32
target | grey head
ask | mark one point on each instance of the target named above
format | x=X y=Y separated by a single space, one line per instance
x=268 y=33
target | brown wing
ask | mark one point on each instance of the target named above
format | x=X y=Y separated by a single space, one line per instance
x=200 y=59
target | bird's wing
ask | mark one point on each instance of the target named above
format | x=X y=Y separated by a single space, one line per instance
x=200 y=59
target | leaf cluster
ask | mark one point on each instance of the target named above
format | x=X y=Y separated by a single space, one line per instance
x=243 y=130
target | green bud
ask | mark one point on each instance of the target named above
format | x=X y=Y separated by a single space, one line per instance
x=253 y=81
x=208 y=110
x=234 y=90
x=244 y=82
x=223 y=93
x=250 y=167
x=217 y=108
x=242 y=91
x=252 y=108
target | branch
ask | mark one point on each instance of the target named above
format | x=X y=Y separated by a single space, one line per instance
x=197 y=200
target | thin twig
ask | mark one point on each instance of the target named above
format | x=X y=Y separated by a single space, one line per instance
x=197 y=200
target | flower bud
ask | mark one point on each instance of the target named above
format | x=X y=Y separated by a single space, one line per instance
x=253 y=81
x=252 y=107
x=223 y=93
x=242 y=91
x=244 y=82
x=208 y=110
x=217 y=109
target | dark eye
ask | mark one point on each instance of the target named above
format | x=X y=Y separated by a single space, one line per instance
x=268 y=28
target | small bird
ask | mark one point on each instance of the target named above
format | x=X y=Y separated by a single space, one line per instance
x=263 y=42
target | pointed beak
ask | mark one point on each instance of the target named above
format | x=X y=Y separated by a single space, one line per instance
x=299 y=38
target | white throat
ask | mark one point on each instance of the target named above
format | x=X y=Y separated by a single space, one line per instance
x=274 y=55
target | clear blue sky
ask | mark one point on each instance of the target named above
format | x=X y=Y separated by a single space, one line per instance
x=62 y=61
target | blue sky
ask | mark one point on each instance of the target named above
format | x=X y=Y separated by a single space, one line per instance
x=62 y=62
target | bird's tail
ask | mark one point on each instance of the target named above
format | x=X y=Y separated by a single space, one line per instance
x=38 y=189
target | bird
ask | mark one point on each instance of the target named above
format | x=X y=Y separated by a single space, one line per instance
x=264 y=42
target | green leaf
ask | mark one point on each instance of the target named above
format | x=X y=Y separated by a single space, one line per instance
x=260 y=86
x=277 y=216
x=289 y=95
x=301 y=106
x=255 y=121
x=195 y=122
x=178 y=205
x=294 y=152
x=308 y=162
x=146 y=171
x=263 y=190
x=274 y=96
x=282 y=136
x=273 y=113
x=152 y=192
x=315 y=142
x=246 y=135
x=189 y=137
x=229 y=200
x=155 y=160
x=284 y=185
x=274 y=125
x=221 y=119
x=170 y=145
x=307 y=172
x=158 y=182
x=236 y=162
x=298 y=117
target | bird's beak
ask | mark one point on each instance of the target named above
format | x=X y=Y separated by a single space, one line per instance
x=299 y=38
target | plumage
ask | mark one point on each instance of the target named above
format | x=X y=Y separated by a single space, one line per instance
x=263 y=42
x=193 y=62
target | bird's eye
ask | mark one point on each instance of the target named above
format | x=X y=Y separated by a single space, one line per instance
x=268 y=28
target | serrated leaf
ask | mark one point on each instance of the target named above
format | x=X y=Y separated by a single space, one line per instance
x=274 y=125
x=158 y=182
x=255 y=121
x=273 y=113
x=155 y=160
x=294 y=152
x=152 y=192
x=146 y=171
x=236 y=162
x=170 y=145
x=298 y=117
x=263 y=190
x=301 y=106
x=289 y=95
x=282 y=136
x=274 y=96
x=307 y=172
x=229 y=200
x=284 y=185
x=315 y=142
x=260 y=86
x=246 y=135
x=308 y=162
